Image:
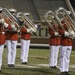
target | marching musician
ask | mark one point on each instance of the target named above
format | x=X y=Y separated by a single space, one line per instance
x=11 y=42
x=54 y=46
x=66 y=48
x=25 y=42
x=3 y=26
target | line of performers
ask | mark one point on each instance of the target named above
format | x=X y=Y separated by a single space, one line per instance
x=9 y=35
x=60 y=40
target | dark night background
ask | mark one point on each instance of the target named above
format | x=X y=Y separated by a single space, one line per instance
x=73 y=3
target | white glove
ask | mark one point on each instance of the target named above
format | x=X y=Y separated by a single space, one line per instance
x=5 y=25
x=56 y=33
x=18 y=30
x=28 y=30
x=13 y=27
x=36 y=26
x=2 y=20
x=71 y=33
x=66 y=34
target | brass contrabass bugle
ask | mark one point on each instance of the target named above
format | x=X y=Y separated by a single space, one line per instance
x=30 y=24
x=12 y=19
x=63 y=14
x=70 y=8
x=50 y=18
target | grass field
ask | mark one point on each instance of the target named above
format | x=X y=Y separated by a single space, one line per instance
x=37 y=64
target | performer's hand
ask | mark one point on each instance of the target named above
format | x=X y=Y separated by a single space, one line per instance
x=13 y=27
x=66 y=34
x=56 y=33
x=1 y=21
x=5 y=25
x=71 y=34
x=28 y=30
x=38 y=26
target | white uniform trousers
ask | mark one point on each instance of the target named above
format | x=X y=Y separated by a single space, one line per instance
x=1 y=52
x=24 y=50
x=54 y=55
x=65 y=52
x=11 y=50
